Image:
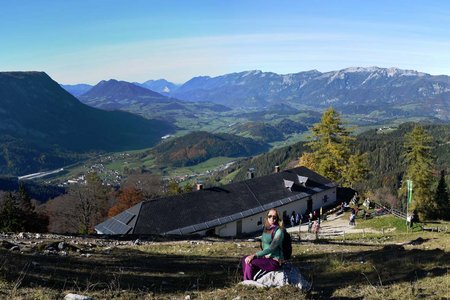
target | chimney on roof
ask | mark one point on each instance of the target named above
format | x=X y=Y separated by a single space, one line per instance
x=277 y=169
x=199 y=186
x=251 y=173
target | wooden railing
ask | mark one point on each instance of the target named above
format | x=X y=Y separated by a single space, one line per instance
x=392 y=211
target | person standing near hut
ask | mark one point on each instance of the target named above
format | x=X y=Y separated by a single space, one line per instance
x=292 y=219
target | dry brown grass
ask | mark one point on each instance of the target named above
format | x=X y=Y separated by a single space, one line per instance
x=370 y=267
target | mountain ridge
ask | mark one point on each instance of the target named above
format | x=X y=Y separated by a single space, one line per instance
x=125 y=96
x=392 y=92
x=161 y=86
x=115 y=94
x=369 y=88
x=41 y=123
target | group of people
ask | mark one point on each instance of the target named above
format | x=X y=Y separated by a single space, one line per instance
x=344 y=207
x=314 y=222
x=295 y=219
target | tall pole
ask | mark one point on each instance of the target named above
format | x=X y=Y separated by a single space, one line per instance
x=409 y=185
x=407 y=200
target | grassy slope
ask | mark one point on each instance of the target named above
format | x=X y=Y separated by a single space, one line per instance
x=376 y=266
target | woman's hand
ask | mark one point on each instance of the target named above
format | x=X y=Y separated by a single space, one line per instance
x=249 y=258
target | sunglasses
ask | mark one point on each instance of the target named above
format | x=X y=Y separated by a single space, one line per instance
x=272 y=217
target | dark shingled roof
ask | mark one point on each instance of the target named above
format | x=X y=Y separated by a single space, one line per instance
x=208 y=208
x=123 y=223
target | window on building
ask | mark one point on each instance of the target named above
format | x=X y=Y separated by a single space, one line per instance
x=259 y=222
x=325 y=199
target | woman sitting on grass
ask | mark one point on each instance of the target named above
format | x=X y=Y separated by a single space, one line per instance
x=271 y=255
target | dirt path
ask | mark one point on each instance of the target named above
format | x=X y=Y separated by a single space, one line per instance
x=333 y=226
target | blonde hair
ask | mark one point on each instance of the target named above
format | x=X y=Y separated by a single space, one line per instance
x=279 y=221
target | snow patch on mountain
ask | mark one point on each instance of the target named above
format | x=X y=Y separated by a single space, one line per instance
x=399 y=72
x=303 y=83
x=372 y=76
x=336 y=75
x=287 y=79
x=360 y=69
x=253 y=72
x=439 y=89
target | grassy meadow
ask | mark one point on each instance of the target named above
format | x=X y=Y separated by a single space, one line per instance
x=381 y=264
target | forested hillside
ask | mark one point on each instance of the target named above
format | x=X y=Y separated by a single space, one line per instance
x=385 y=152
x=196 y=147
x=384 y=148
x=264 y=164
x=258 y=131
x=39 y=192
x=42 y=126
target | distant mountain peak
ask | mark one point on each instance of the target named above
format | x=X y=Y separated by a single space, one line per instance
x=114 y=94
x=160 y=86
x=76 y=89
x=114 y=88
x=390 y=72
x=359 y=69
x=390 y=90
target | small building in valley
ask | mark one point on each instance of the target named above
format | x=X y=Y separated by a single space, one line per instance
x=230 y=210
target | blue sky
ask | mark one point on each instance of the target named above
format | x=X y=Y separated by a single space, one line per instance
x=85 y=41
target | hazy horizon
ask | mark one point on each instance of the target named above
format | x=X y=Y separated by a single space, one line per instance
x=89 y=41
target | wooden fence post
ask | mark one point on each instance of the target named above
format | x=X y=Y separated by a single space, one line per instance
x=299 y=231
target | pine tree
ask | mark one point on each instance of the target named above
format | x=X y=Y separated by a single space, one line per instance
x=441 y=198
x=17 y=213
x=331 y=154
x=356 y=170
x=307 y=160
x=10 y=215
x=24 y=199
x=26 y=210
x=419 y=170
